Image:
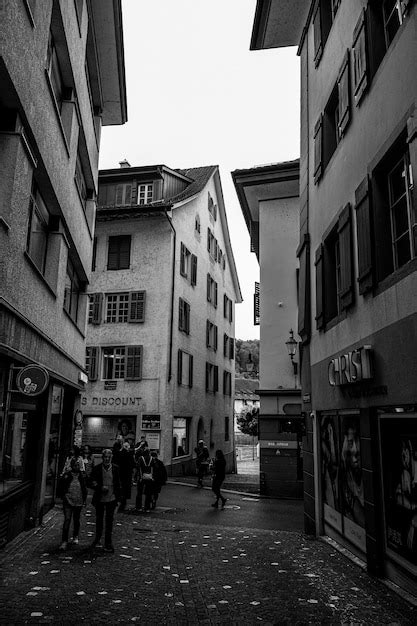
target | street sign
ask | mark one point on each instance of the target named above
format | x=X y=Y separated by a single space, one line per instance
x=32 y=380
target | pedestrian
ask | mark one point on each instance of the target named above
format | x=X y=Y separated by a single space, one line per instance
x=88 y=459
x=117 y=448
x=73 y=491
x=145 y=469
x=202 y=461
x=126 y=464
x=105 y=480
x=73 y=453
x=219 y=473
x=160 y=477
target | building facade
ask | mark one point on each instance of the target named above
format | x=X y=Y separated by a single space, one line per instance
x=160 y=341
x=358 y=280
x=269 y=200
x=61 y=79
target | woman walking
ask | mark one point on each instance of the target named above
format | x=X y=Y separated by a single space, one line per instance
x=73 y=491
x=219 y=473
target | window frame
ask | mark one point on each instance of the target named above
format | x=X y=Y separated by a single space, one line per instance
x=72 y=305
x=145 y=193
x=129 y=357
x=184 y=311
x=38 y=210
x=119 y=239
x=182 y=354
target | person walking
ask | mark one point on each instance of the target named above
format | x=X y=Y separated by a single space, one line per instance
x=73 y=491
x=126 y=464
x=88 y=459
x=105 y=480
x=145 y=469
x=160 y=478
x=219 y=473
x=202 y=461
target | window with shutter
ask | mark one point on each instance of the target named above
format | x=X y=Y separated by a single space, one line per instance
x=119 y=252
x=215 y=338
x=190 y=370
x=208 y=288
x=225 y=345
x=193 y=270
x=216 y=378
x=231 y=348
x=360 y=74
x=96 y=307
x=134 y=362
x=91 y=362
x=179 y=367
x=317 y=30
x=215 y=294
x=346 y=263
x=343 y=83
x=319 y=287
x=184 y=316
x=318 y=149
x=119 y=195
x=137 y=301
x=256 y=305
x=208 y=326
x=94 y=255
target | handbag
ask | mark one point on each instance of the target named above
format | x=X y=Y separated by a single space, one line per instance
x=147 y=477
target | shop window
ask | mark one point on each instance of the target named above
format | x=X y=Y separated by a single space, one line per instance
x=72 y=292
x=145 y=193
x=212 y=290
x=227 y=383
x=185 y=368
x=13 y=450
x=334 y=271
x=184 y=316
x=211 y=335
x=180 y=436
x=386 y=223
x=323 y=15
x=226 y=428
x=119 y=252
x=122 y=362
x=37 y=240
x=212 y=377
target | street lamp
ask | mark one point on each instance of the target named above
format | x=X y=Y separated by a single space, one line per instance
x=292 y=349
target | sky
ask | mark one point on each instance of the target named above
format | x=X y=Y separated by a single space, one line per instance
x=197 y=96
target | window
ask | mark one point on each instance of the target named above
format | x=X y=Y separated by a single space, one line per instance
x=122 y=362
x=373 y=34
x=211 y=335
x=145 y=193
x=185 y=368
x=212 y=208
x=197 y=225
x=13 y=453
x=180 y=436
x=227 y=383
x=212 y=246
x=227 y=308
x=212 y=377
x=125 y=307
x=72 y=292
x=120 y=194
x=91 y=362
x=211 y=290
x=37 y=240
x=54 y=72
x=185 y=261
x=94 y=255
x=334 y=271
x=226 y=428
x=123 y=194
x=80 y=180
x=228 y=347
x=323 y=15
x=384 y=217
x=95 y=305
x=119 y=252
x=184 y=316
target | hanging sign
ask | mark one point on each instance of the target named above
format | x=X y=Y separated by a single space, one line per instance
x=32 y=380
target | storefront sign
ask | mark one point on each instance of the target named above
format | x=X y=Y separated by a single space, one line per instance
x=112 y=401
x=110 y=384
x=351 y=367
x=151 y=422
x=289 y=445
x=153 y=440
x=32 y=380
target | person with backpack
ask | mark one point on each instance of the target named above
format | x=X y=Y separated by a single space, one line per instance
x=160 y=477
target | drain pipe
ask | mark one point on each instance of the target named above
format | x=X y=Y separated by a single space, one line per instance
x=171 y=324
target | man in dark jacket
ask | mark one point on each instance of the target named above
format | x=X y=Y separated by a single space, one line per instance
x=105 y=480
x=202 y=461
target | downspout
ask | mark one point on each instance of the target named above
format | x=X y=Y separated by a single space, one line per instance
x=171 y=321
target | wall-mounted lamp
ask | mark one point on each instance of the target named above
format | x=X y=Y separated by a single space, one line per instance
x=292 y=349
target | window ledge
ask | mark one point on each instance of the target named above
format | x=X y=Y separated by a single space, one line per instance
x=335 y=321
x=396 y=277
x=39 y=273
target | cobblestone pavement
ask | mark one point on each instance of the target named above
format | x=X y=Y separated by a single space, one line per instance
x=166 y=570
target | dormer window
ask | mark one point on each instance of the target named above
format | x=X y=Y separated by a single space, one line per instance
x=145 y=193
x=212 y=208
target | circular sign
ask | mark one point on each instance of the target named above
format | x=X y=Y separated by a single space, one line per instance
x=32 y=380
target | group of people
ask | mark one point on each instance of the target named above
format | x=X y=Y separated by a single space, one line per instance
x=111 y=481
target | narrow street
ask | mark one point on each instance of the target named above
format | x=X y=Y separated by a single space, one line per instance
x=187 y=563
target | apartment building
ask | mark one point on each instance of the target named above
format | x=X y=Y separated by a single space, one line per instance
x=160 y=339
x=358 y=280
x=61 y=78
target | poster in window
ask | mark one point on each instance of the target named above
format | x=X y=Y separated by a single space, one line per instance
x=399 y=464
x=126 y=431
x=330 y=461
x=102 y=432
x=351 y=480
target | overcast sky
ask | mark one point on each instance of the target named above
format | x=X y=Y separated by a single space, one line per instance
x=197 y=96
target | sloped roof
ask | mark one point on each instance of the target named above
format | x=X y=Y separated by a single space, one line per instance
x=200 y=177
x=246 y=389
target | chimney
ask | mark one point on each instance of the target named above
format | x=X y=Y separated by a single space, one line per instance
x=124 y=163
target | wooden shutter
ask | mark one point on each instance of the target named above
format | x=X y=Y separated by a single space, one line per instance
x=137 y=306
x=119 y=253
x=134 y=362
x=318 y=149
x=208 y=288
x=97 y=307
x=224 y=305
x=179 y=367
x=344 y=230
x=215 y=332
x=317 y=29
x=225 y=344
x=113 y=254
x=319 y=263
x=190 y=370
x=215 y=294
x=111 y=195
x=231 y=348
x=134 y=194
x=230 y=311
x=119 y=194
x=182 y=260
x=208 y=239
x=207 y=333
x=128 y=194
x=187 y=317
x=92 y=352
x=224 y=382
x=216 y=378
x=102 y=195
x=360 y=64
x=256 y=305
x=207 y=376
x=181 y=314
x=343 y=86
x=193 y=269
x=124 y=252
x=94 y=255
x=364 y=235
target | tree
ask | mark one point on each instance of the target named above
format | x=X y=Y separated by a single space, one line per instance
x=248 y=423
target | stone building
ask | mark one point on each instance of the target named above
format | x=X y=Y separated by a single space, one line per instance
x=160 y=340
x=61 y=79
x=358 y=280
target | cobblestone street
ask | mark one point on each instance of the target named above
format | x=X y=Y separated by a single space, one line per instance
x=169 y=568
